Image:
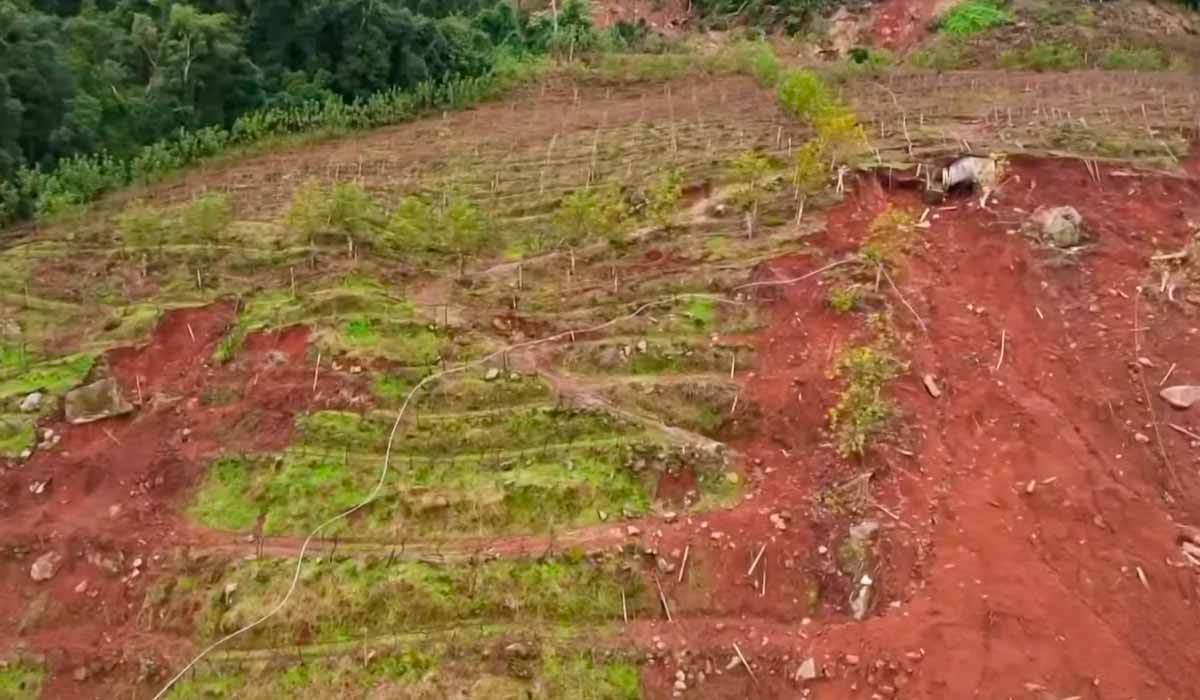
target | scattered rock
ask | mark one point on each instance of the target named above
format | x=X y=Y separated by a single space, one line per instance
x=1060 y=226
x=81 y=586
x=680 y=685
x=492 y=374
x=1142 y=438
x=641 y=346
x=46 y=566
x=852 y=659
x=32 y=402
x=25 y=454
x=807 y=670
x=1182 y=396
x=80 y=674
x=518 y=650
x=96 y=401
x=632 y=531
x=931 y=386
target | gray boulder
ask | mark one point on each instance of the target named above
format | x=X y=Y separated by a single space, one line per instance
x=1058 y=226
x=96 y=401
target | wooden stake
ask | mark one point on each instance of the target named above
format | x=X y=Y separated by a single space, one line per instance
x=732 y=364
x=191 y=333
x=1003 y=341
x=316 y=371
x=1167 y=375
x=745 y=663
x=138 y=380
x=663 y=598
x=683 y=564
x=624 y=607
x=1184 y=431
x=754 y=564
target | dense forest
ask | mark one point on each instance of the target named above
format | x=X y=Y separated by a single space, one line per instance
x=115 y=78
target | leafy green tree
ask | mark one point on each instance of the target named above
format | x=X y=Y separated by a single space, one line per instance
x=662 y=198
x=456 y=227
x=808 y=173
x=586 y=214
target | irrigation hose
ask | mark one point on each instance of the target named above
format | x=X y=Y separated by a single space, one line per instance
x=387 y=457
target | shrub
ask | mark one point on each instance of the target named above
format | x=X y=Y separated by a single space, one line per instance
x=803 y=95
x=845 y=298
x=586 y=214
x=890 y=236
x=1134 y=59
x=947 y=55
x=1043 y=57
x=207 y=217
x=973 y=16
x=862 y=411
x=141 y=225
x=663 y=197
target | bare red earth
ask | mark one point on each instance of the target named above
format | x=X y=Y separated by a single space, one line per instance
x=115 y=487
x=899 y=24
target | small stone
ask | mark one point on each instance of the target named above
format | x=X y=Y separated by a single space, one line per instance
x=641 y=346
x=931 y=386
x=1181 y=397
x=1142 y=438
x=680 y=675
x=680 y=686
x=632 y=531
x=1058 y=226
x=1146 y=362
x=492 y=374
x=81 y=586
x=80 y=674
x=807 y=670
x=32 y=402
x=46 y=566
x=25 y=454
x=852 y=659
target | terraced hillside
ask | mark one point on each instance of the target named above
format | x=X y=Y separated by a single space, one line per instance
x=611 y=389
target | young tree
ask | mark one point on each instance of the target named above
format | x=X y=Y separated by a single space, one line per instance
x=808 y=174
x=750 y=171
x=663 y=197
x=346 y=209
x=586 y=214
x=455 y=227
x=207 y=217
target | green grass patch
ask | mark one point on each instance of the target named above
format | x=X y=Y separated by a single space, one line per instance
x=16 y=433
x=469 y=665
x=1043 y=57
x=20 y=680
x=355 y=598
x=702 y=312
x=972 y=17
x=654 y=355
x=54 y=376
x=1122 y=59
x=702 y=407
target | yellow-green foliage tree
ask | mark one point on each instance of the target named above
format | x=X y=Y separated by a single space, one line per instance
x=662 y=198
x=808 y=174
x=456 y=226
x=141 y=225
x=750 y=171
x=207 y=217
x=587 y=214
x=803 y=95
x=345 y=208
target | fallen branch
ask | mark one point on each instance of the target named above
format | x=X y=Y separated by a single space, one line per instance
x=1137 y=351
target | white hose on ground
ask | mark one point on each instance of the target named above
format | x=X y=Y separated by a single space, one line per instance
x=387 y=457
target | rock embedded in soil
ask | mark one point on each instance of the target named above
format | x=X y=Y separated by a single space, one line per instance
x=46 y=566
x=807 y=670
x=31 y=402
x=1182 y=396
x=96 y=401
x=1060 y=226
